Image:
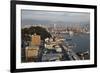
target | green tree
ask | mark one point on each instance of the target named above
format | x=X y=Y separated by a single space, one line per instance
x=26 y=32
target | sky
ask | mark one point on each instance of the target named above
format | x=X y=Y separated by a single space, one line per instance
x=31 y=17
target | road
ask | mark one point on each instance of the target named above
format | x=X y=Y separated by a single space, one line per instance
x=69 y=52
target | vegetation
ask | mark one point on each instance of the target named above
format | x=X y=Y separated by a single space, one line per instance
x=27 y=32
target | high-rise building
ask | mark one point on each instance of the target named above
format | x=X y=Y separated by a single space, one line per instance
x=36 y=40
x=32 y=50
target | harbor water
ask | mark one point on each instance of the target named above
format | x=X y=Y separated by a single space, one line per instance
x=82 y=42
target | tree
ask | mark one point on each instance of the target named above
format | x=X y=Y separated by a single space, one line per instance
x=32 y=30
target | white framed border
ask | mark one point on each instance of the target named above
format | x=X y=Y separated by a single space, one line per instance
x=20 y=65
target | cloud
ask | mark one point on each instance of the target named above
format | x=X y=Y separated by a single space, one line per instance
x=54 y=16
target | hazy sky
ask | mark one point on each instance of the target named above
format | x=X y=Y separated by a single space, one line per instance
x=30 y=17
